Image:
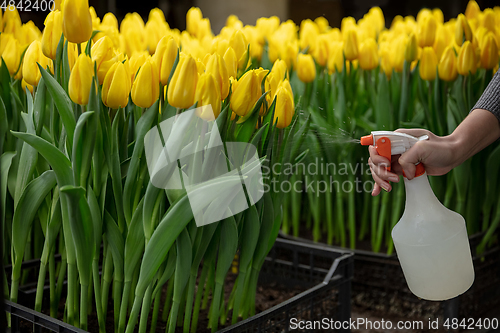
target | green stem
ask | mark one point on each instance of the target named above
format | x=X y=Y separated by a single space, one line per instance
x=40 y=286
x=146 y=306
x=168 y=299
x=197 y=302
x=101 y=319
x=156 y=310
x=70 y=302
x=124 y=306
x=84 y=292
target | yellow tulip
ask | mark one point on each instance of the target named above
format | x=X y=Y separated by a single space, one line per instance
x=463 y=31
x=438 y=15
x=443 y=39
x=280 y=68
x=427 y=31
x=467 y=62
x=267 y=26
x=182 y=88
x=233 y=21
x=386 y=62
x=336 y=59
x=397 y=54
x=12 y=20
x=246 y=92
x=52 y=34
x=272 y=82
x=80 y=80
x=322 y=24
x=146 y=87
x=116 y=86
x=58 y=4
x=347 y=23
x=428 y=64
x=306 y=69
x=25 y=85
x=12 y=56
x=109 y=20
x=28 y=33
x=308 y=35
x=377 y=17
x=321 y=50
x=165 y=55
x=217 y=67
x=489 y=20
x=411 y=52
x=231 y=62
x=103 y=55
x=208 y=93
x=135 y=62
x=368 y=54
x=285 y=106
x=193 y=17
x=4 y=40
x=489 y=52
x=239 y=44
x=33 y=57
x=448 y=65
x=472 y=11
x=77 y=21
x=351 y=45
x=154 y=31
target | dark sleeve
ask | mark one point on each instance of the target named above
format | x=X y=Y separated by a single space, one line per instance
x=490 y=99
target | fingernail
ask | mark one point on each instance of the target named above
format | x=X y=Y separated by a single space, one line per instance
x=394 y=179
x=385 y=187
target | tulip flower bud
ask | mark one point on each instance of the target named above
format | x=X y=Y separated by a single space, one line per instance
x=351 y=45
x=165 y=55
x=438 y=15
x=80 y=80
x=306 y=69
x=182 y=88
x=448 y=65
x=368 y=54
x=411 y=52
x=193 y=17
x=336 y=59
x=463 y=31
x=154 y=31
x=25 y=85
x=12 y=55
x=52 y=34
x=34 y=55
x=428 y=64
x=308 y=35
x=472 y=10
x=427 y=31
x=321 y=50
x=285 y=106
x=246 y=92
x=397 y=54
x=208 y=93
x=77 y=21
x=489 y=20
x=322 y=24
x=271 y=85
x=489 y=52
x=12 y=20
x=135 y=62
x=146 y=87
x=217 y=67
x=103 y=54
x=231 y=62
x=467 y=62
x=116 y=86
x=239 y=44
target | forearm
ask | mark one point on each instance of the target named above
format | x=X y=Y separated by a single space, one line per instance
x=478 y=130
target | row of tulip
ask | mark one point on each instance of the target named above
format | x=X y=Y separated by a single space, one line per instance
x=76 y=105
x=421 y=72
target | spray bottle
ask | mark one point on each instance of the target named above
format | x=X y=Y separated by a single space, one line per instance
x=430 y=240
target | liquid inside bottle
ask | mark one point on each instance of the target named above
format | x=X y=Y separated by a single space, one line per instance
x=432 y=245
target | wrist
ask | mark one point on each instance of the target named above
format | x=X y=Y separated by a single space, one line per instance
x=457 y=147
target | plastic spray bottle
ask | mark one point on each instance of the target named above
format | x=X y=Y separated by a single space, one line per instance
x=430 y=240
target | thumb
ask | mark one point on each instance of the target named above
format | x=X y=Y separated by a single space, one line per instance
x=413 y=156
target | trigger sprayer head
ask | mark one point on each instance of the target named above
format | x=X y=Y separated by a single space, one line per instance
x=367 y=140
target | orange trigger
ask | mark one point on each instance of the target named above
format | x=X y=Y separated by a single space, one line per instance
x=383 y=146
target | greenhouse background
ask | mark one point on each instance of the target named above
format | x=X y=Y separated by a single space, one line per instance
x=196 y=166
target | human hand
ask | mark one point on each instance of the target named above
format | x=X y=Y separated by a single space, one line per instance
x=436 y=154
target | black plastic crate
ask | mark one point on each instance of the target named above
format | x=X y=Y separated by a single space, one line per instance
x=325 y=271
x=386 y=282
x=39 y=321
